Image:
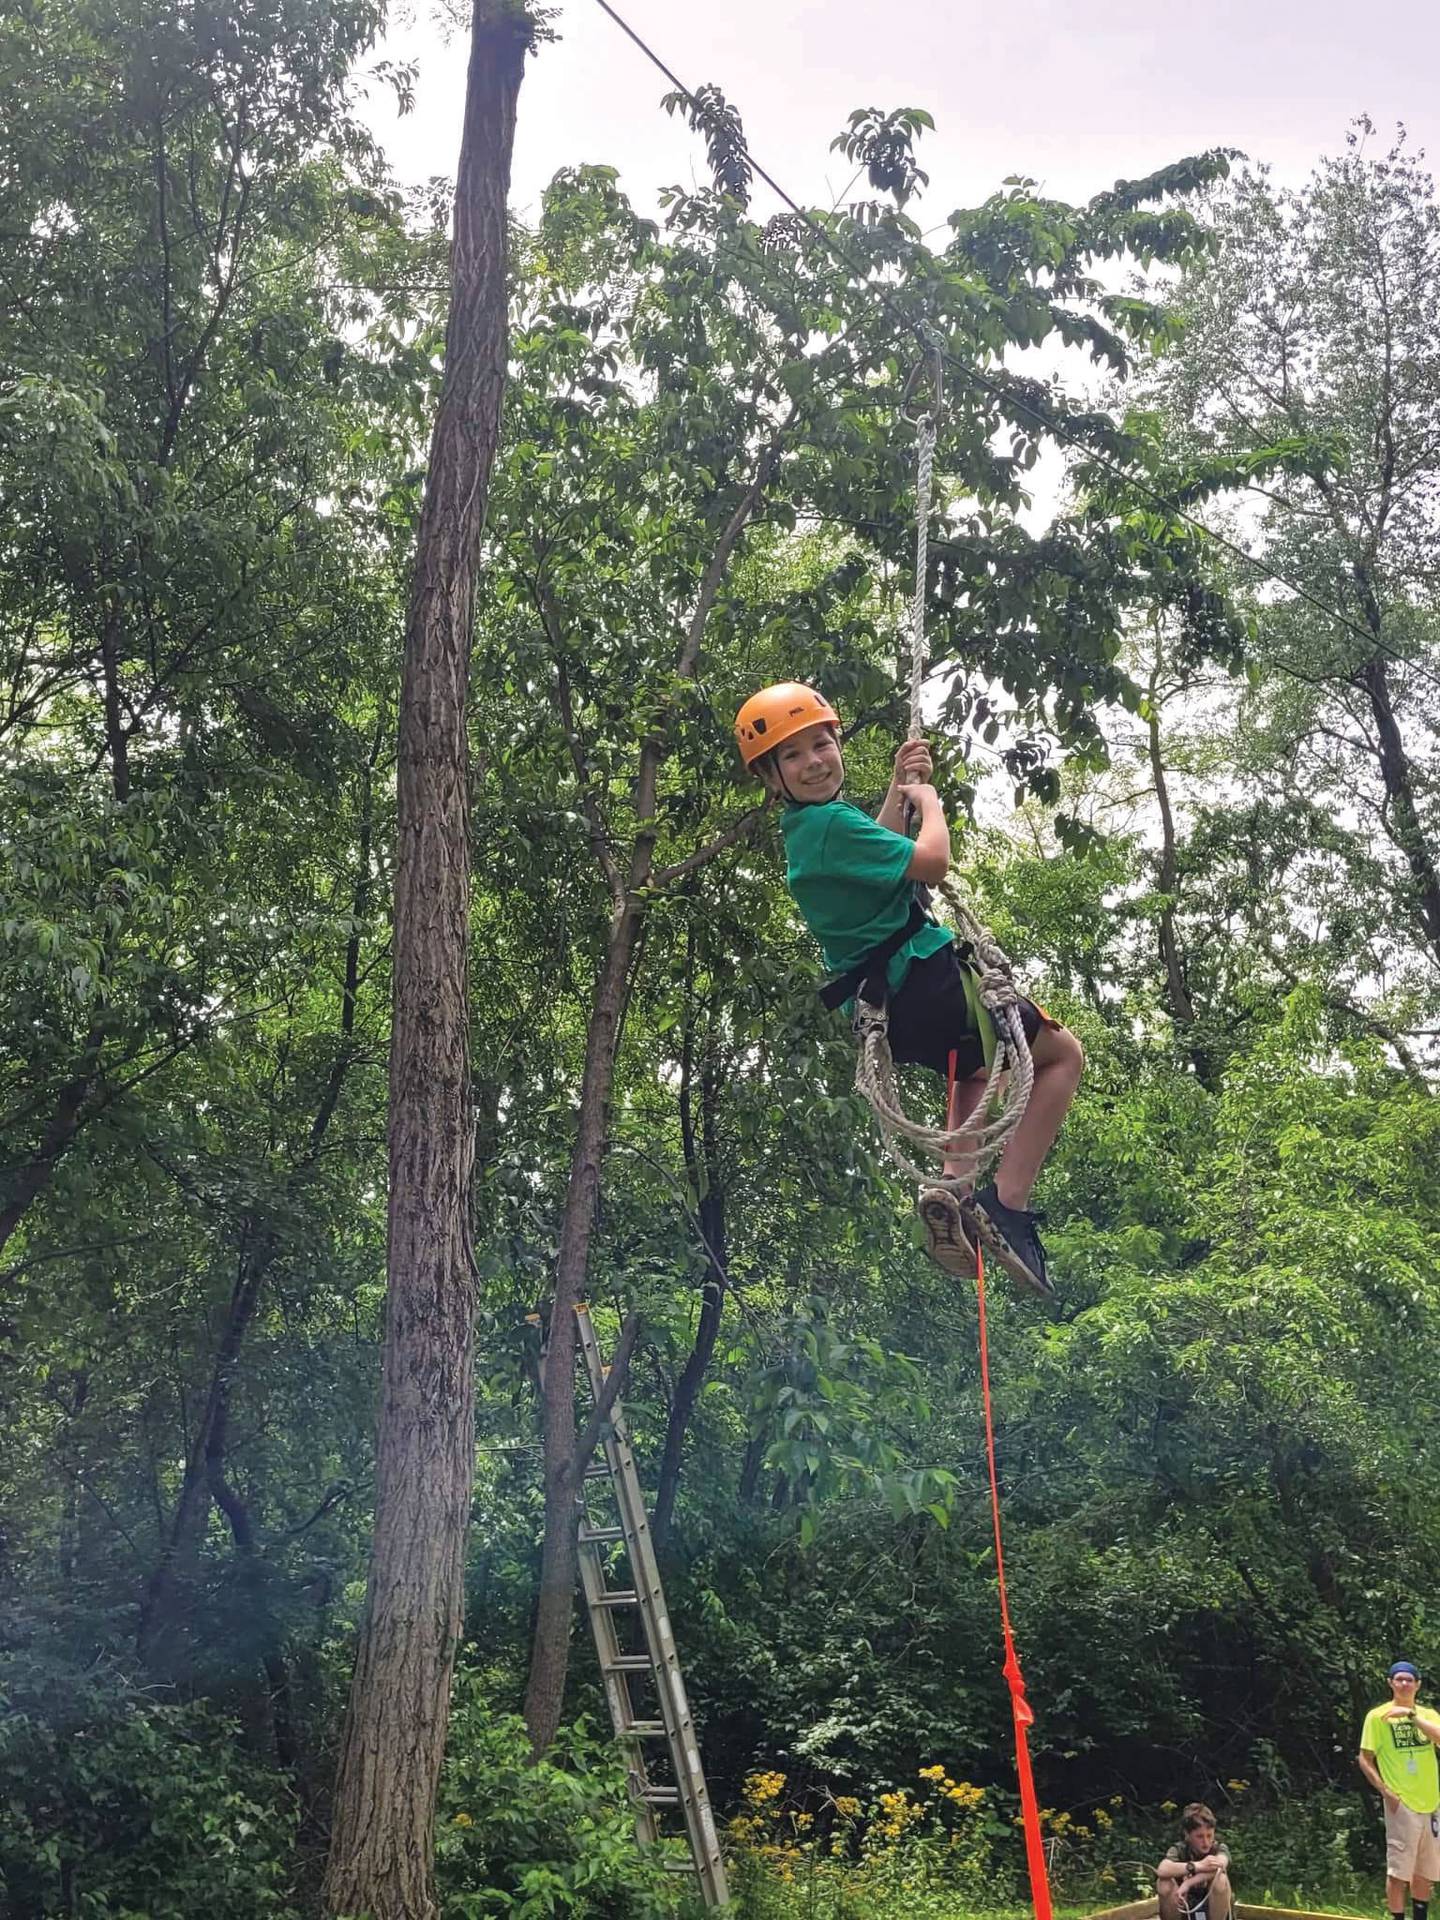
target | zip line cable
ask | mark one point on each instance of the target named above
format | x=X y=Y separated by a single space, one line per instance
x=998 y=391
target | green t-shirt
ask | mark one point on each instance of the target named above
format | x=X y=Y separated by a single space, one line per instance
x=848 y=876
x=1406 y=1759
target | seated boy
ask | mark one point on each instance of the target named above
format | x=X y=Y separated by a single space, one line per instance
x=854 y=880
x=1194 y=1876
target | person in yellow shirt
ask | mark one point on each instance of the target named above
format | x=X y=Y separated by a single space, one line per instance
x=1397 y=1757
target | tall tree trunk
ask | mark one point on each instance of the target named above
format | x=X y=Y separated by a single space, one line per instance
x=702 y=1159
x=1401 y=815
x=1178 y=1002
x=161 y=1638
x=117 y=738
x=549 y=1660
x=394 y=1740
x=22 y=1185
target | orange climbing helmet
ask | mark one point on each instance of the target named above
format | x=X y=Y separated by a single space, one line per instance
x=773 y=714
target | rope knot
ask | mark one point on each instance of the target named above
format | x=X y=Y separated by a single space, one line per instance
x=997 y=988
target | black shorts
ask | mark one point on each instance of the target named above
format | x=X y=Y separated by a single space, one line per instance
x=930 y=1018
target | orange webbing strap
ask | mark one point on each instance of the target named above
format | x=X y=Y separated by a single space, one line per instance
x=1020 y=1706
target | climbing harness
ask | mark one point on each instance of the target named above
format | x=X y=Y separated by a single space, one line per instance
x=961 y=1154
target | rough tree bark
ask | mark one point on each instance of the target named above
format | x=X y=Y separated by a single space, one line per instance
x=394 y=1741
x=1401 y=815
x=22 y=1185
x=162 y=1635
x=1178 y=1002
x=702 y=1161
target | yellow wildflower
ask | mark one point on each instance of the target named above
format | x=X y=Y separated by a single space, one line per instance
x=462 y=1820
x=763 y=1788
x=897 y=1812
x=847 y=1806
x=932 y=1773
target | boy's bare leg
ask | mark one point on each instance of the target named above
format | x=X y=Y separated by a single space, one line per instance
x=965 y=1096
x=1218 y=1907
x=1059 y=1061
x=1170 y=1904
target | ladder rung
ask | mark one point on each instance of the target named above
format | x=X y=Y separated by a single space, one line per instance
x=685 y=1789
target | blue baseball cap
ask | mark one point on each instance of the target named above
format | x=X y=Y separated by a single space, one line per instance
x=1405 y=1666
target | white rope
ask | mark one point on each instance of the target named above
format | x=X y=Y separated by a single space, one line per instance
x=924 y=473
x=962 y=1155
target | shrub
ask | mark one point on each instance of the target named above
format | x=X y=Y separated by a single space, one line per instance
x=948 y=1847
x=113 y=1803
x=531 y=1839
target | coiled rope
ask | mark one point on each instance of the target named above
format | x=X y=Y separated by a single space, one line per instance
x=960 y=1155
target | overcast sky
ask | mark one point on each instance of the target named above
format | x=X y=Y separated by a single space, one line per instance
x=1076 y=93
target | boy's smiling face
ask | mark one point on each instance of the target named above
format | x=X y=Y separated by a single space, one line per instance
x=809 y=763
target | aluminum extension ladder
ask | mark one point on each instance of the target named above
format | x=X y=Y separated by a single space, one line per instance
x=659 y=1660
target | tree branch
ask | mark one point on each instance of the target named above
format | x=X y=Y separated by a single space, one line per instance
x=609 y=1394
x=714 y=574
x=732 y=836
x=589 y=805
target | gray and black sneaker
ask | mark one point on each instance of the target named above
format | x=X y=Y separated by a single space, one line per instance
x=947 y=1242
x=1009 y=1233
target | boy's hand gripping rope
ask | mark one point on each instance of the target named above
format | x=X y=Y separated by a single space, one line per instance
x=961 y=1154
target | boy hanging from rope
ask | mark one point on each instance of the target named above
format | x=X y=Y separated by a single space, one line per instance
x=854 y=880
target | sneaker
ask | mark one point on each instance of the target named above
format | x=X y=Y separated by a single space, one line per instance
x=946 y=1240
x=1009 y=1233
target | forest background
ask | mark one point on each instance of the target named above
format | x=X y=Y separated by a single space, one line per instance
x=1203 y=812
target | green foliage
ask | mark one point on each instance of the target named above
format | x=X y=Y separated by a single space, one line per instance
x=829 y=1407
x=1290 y=338
x=535 y=1838
x=883 y=143
x=921 y=1854
x=211 y=402
x=942 y=1850
x=710 y=113
x=115 y=1804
